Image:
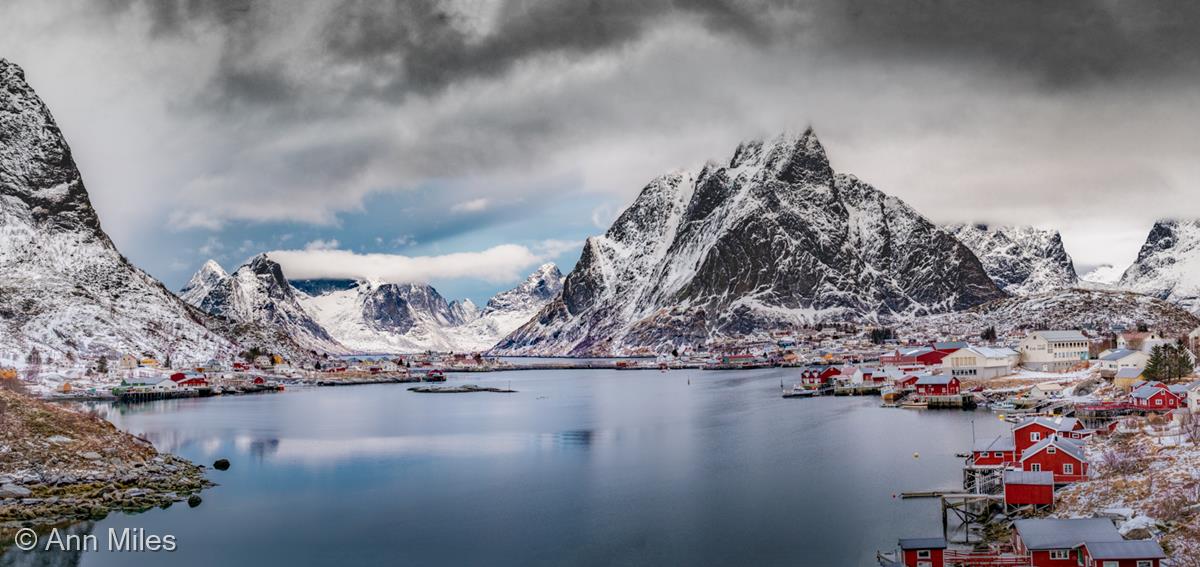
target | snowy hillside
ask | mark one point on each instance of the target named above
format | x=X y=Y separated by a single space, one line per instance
x=1168 y=265
x=382 y=317
x=1105 y=275
x=1063 y=309
x=258 y=293
x=771 y=238
x=1021 y=260
x=64 y=287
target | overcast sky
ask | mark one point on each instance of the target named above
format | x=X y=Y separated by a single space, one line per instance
x=460 y=136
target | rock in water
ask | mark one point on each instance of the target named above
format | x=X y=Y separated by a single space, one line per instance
x=194 y=500
x=221 y=464
x=770 y=239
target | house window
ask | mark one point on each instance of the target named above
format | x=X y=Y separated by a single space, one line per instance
x=998 y=455
x=1060 y=554
x=1068 y=468
x=1158 y=401
x=1052 y=450
x=1036 y=467
x=1145 y=563
x=924 y=554
x=1035 y=436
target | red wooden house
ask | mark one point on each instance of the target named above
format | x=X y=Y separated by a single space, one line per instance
x=995 y=452
x=923 y=552
x=1028 y=488
x=1037 y=429
x=1132 y=553
x=908 y=382
x=1063 y=457
x=817 y=376
x=1154 y=396
x=937 y=385
x=189 y=380
x=1081 y=541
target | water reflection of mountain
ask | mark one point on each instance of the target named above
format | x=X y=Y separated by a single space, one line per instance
x=260 y=448
x=14 y=557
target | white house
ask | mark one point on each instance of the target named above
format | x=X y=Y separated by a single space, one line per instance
x=980 y=362
x=1049 y=351
x=1112 y=361
x=1045 y=391
x=1139 y=340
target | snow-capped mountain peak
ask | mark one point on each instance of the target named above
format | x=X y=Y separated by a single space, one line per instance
x=1168 y=264
x=772 y=239
x=1022 y=260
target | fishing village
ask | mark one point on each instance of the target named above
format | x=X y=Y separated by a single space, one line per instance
x=1078 y=405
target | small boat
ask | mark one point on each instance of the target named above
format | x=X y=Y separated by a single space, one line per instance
x=435 y=376
x=799 y=391
x=1002 y=406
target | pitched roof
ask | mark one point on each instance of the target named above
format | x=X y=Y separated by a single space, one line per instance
x=1052 y=533
x=950 y=345
x=934 y=380
x=1042 y=478
x=1147 y=391
x=1061 y=336
x=923 y=543
x=1000 y=443
x=1129 y=373
x=1118 y=354
x=1065 y=445
x=1056 y=424
x=1131 y=549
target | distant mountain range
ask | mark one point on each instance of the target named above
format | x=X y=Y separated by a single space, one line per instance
x=362 y=316
x=1021 y=260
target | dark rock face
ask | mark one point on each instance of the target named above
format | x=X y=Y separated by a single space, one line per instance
x=1167 y=264
x=396 y=307
x=318 y=287
x=773 y=239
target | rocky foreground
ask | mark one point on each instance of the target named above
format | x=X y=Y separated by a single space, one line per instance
x=58 y=466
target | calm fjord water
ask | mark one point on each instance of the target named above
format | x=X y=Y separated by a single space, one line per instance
x=578 y=468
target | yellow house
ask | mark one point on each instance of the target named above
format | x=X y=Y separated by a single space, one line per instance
x=8 y=373
x=1127 y=377
x=276 y=359
x=148 y=362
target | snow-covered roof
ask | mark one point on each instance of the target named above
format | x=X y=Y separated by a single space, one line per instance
x=1061 y=336
x=923 y=543
x=934 y=379
x=1000 y=443
x=1056 y=424
x=1041 y=478
x=1065 y=445
x=1129 y=373
x=1146 y=391
x=1130 y=549
x=1118 y=354
x=950 y=345
x=1053 y=533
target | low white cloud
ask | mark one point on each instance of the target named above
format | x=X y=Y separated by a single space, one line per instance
x=319 y=244
x=552 y=248
x=472 y=206
x=497 y=264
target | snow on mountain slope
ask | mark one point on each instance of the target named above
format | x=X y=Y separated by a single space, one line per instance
x=64 y=287
x=258 y=293
x=1021 y=260
x=771 y=239
x=380 y=317
x=1062 y=309
x=1168 y=265
x=1106 y=274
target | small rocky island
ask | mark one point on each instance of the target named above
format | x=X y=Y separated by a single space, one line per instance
x=58 y=465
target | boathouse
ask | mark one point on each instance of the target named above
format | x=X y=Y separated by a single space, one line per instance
x=1022 y=488
x=923 y=552
x=1063 y=457
x=937 y=385
x=995 y=452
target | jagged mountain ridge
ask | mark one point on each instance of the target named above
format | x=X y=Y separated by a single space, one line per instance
x=362 y=316
x=258 y=293
x=385 y=317
x=772 y=238
x=1168 y=264
x=64 y=287
x=1021 y=260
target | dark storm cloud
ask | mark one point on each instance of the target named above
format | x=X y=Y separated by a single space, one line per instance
x=422 y=46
